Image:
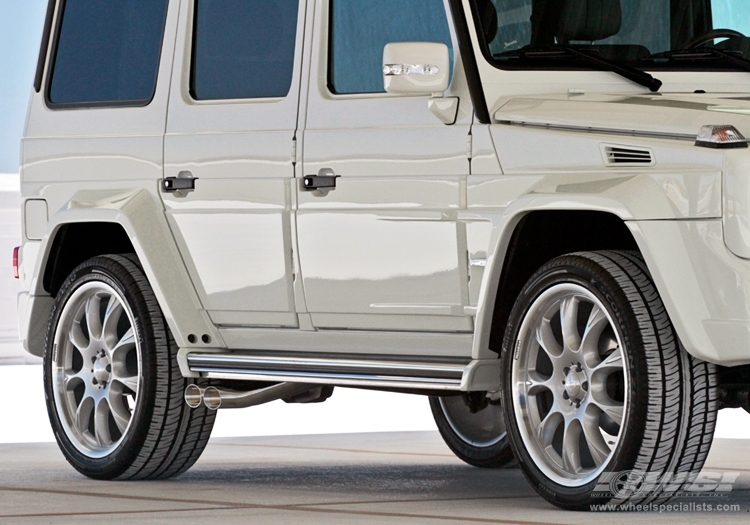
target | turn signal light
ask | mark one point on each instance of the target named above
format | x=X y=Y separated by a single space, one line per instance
x=720 y=137
x=397 y=70
x=16 y=273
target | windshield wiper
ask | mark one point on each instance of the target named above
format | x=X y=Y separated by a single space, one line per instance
x=742 y=63
x=631 y=73
x=704 y=52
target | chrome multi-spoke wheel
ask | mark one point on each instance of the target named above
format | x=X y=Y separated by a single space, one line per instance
x=97 y=368
x=113 y=386
x=570 y=386
x=473 y=426
x=596 y=387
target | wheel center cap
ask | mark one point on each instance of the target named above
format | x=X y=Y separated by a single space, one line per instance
x=576 y=384
x=102 y=370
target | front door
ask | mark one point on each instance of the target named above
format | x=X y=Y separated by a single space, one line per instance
x=231 y=125
x=384 y=250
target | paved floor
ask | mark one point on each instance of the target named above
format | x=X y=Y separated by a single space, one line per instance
x=407 y=478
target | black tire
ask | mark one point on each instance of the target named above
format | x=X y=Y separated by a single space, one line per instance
x=165 y=437
x=494 y=453
x=669 y=421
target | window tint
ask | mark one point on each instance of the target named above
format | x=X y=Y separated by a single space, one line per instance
x=361 y=30
x=644 y=27
x=646 y=23
x=731 y=14
x=243 y=48
x=108 y=52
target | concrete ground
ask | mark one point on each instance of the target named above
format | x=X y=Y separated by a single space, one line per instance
x=407 y=478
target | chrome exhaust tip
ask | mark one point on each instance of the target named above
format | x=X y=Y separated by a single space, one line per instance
x=212 y=398
x=193 y=396
x=215 y=398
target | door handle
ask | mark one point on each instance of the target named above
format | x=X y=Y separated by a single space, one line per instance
x=175 y=184
x=180 y=185
x=324 y=180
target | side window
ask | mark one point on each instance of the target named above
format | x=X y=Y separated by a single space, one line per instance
x=731 y=14
x=107 y=53
x=360 y=30
x=243 y=48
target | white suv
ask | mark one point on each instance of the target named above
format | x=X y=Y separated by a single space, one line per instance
x=536 y=212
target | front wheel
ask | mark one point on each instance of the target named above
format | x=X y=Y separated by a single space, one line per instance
x=602 y=403
x=112 y=383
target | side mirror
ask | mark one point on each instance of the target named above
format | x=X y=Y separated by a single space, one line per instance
x=416 y=68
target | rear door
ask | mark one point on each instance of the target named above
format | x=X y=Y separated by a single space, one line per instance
x=231 y=126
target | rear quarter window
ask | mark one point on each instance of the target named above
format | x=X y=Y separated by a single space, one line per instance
x=243 y=49
x=107 y=52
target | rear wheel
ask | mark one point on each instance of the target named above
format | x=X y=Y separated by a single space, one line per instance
x=113 y=387
x=473 y=427
x=603 y=405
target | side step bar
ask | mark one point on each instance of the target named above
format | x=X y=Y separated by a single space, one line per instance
x=430 y=376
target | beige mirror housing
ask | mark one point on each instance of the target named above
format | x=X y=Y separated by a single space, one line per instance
x=416 y=68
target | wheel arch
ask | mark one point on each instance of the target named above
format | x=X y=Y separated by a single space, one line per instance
x=71 y=246
x=527 y=241
x=129 y=221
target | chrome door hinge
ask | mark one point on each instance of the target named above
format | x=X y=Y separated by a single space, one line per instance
x=469 y=146
x=294 y=150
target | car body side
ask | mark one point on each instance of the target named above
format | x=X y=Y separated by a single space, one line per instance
x=678 y=212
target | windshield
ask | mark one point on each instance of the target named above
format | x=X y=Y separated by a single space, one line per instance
x=645 y=34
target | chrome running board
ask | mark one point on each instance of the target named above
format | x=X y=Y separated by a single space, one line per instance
x=338 y=372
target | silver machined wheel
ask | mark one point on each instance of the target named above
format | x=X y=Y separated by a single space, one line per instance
x=483 y=428
x=570 y=384
x=112 y=383
x=96 y=369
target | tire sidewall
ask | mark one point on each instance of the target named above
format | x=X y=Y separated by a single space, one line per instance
x=109 y=272
x=584 y=272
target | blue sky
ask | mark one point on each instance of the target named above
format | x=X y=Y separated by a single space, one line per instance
x=21 y=23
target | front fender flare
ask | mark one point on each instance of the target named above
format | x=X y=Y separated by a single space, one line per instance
x=503 y=228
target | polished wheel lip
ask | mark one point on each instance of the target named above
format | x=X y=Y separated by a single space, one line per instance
x=104 y=373
x=464 y=433
x=579 y=405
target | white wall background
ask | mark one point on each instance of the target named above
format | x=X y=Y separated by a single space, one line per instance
x=10 y=237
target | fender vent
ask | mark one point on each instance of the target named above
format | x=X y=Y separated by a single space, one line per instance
x=625 y=156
